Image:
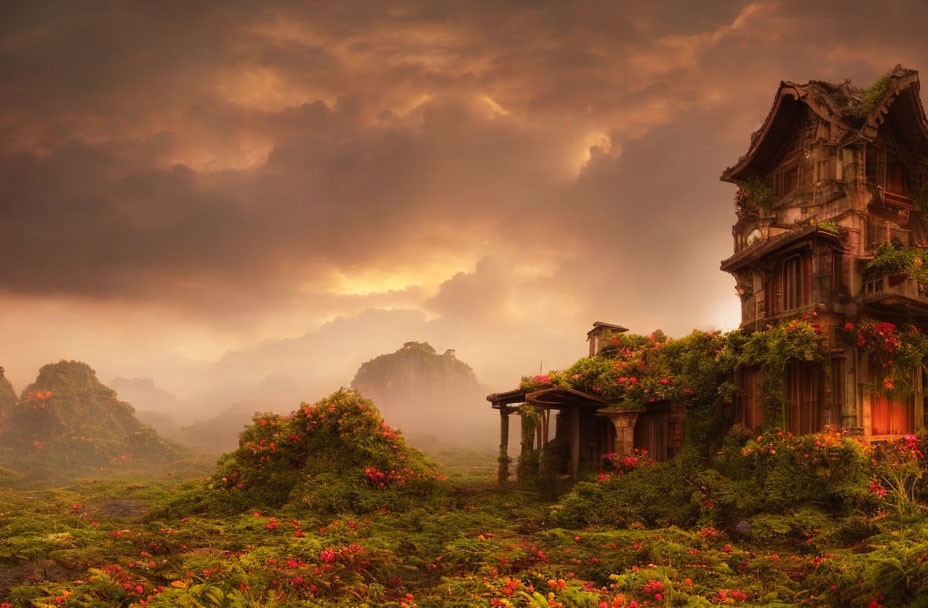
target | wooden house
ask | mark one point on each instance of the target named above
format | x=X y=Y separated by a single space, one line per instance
x=833 y=173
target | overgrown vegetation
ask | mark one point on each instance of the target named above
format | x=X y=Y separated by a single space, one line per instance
x=771 y=520
x=329 y=507
x=697 y=370
x=896 y=353
x=871 y=97
x=757 y=194
x=335 y=455
x=890 y=260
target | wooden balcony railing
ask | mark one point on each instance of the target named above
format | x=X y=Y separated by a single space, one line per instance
x=894 y=287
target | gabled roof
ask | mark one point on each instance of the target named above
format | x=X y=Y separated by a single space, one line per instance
x=855 y=113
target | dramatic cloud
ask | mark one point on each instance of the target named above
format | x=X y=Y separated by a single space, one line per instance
x=308 y=186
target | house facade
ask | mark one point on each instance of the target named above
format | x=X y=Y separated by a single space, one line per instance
x=833 y=174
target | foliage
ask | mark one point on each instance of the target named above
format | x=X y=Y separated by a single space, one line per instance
x=774 y=472
x=828 y=225
x=757 y=195
x=871 y=97
x=528 y=465
x=335 y=455
x=771 y=350
x=890 y=260
x=696 y=370
x=760 y=524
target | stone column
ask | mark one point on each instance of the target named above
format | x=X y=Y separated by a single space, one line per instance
x=624 y=423
x=502 y=475
x=574 y=442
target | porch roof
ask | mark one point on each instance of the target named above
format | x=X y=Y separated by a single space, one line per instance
x=498 y=400
x=559 y=397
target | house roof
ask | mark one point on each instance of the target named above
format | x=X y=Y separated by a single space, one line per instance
x=598 y=325
x=855 y=113
x=760 y=249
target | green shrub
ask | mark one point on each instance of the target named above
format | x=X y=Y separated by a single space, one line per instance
x=336 y=455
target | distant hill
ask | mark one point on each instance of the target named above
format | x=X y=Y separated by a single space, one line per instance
x=155 y=406
x=7 y=397
x=221 y=433
x=428 y=395
x=67 y=422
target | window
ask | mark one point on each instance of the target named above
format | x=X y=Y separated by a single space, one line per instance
x=795 y=275
x=786 y=180
x=789 y=285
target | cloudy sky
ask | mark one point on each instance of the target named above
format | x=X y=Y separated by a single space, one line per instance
x=250 y=196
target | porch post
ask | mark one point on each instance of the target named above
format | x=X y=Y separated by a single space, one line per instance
x=502 y=474
x=624 y=423
x=574 y=442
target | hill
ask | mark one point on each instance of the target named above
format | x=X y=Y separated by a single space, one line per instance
x=428 y=395
x=157 y=407
x=67 y=422
x=7 y=397
x=221 y=432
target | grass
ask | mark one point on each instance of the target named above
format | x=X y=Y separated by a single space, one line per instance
x=121 y=542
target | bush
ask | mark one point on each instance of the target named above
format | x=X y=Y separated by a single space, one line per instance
x=336 y=455
x=654 y=495
x=774 y=473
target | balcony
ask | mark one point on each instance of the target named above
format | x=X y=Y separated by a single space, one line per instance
x=895 y=291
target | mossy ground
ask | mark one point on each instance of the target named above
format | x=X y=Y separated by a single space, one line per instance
x=124 y=543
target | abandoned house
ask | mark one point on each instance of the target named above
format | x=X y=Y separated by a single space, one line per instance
x=834 y=173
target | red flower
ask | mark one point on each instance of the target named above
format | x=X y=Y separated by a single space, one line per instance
x=327 y=555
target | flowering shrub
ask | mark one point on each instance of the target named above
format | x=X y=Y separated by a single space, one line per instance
x=895 y=352
x=337 y=454
x=625 y=464
x=637 y=370
x=779 y=470
x=900 y=473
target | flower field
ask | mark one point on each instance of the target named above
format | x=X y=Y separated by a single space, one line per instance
x=348 y=515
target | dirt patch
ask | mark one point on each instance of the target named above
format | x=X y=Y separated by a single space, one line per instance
x=24 y=571
x=120 y=507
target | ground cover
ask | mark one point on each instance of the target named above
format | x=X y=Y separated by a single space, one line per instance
x=771 y=520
